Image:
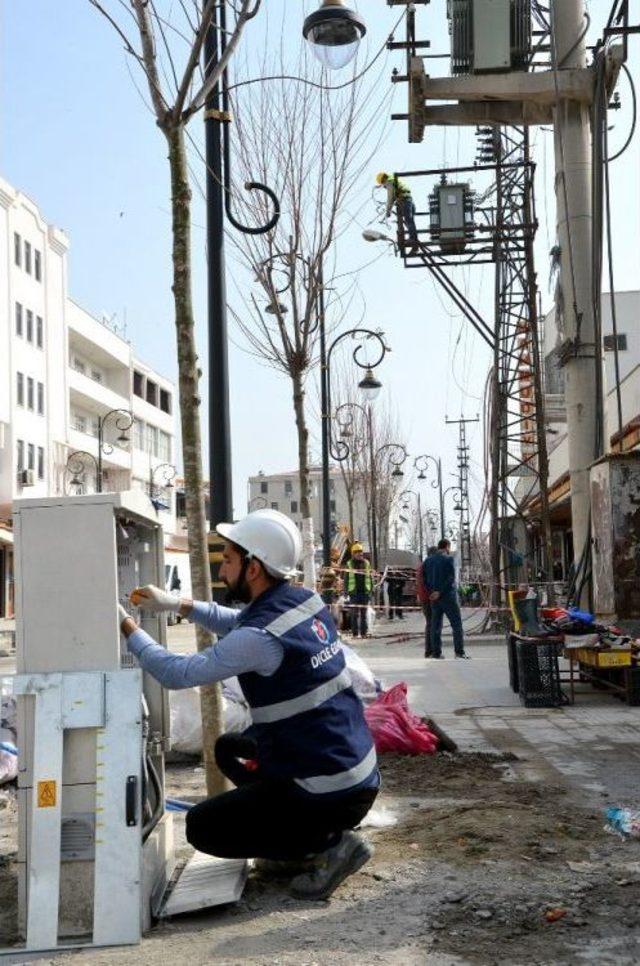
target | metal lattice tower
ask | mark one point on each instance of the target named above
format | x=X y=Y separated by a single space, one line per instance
x=519 y=460
x=464 y=508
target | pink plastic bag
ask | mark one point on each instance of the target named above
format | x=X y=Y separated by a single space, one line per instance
x=395 y=728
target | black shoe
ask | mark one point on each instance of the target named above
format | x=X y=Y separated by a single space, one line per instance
x=332 y=867
x=428 y=654
x=463 y=657
x=438 y=657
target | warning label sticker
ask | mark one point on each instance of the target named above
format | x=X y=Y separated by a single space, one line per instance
x=47 y=792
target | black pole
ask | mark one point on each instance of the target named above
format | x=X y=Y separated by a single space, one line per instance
x=374 y=484
x=99 y=464
x=441 y=499
x=221 y=501
x=325 y=423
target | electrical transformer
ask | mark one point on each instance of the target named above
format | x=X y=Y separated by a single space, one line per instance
x=489 y=36
x=451 y=216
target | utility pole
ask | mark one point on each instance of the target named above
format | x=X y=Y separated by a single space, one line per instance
x=463 y=486
x=581 y=355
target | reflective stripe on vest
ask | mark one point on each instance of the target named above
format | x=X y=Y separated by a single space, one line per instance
x=306 y=702
x=297 y=615
x=343 y=780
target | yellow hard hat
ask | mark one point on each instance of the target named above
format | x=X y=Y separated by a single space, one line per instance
x=356 y=548
x=382 y=177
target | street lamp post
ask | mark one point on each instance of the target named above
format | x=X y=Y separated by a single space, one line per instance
x=330 y=29
x=166 y=474
x=123 y=420
x=421 y=463
x=404 y=495
x=397 y=455
x=339 y=449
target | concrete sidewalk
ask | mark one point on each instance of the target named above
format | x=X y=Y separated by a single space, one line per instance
x=593 y=746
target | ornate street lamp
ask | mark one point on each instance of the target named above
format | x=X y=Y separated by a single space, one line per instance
x=334 y=33
x=405 y=496
x=421 y=463
x=123 y=420
x=160 y=478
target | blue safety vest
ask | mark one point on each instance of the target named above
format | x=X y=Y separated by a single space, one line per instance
x=307 y=719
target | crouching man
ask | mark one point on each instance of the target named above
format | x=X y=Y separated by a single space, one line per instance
x=317 y=774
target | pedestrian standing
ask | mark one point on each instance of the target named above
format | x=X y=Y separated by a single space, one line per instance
x=395 y=586
x=440 y=578
x=422 y=594
x=359 y=586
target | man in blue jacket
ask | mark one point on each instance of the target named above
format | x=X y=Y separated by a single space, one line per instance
x=440 y=580
x=317 y=774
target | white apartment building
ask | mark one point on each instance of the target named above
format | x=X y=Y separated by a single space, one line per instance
x=61 y=372
x=281 y=491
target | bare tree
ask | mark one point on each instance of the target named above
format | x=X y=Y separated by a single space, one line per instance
x=167 y=47
x=312 y=144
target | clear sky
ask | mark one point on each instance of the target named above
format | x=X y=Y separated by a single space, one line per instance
x=78 y=138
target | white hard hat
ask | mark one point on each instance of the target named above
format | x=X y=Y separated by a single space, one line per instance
x=270 y=537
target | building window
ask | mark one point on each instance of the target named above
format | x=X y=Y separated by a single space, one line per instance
x=152 y=440
x=20 y=455
x=17 y=249
x=27 y=268
x=139 y=434
x=610 y=343
x=39 y=331
x=288 y=487
x=40 y=463
x=332 y=506
x=332 y=486
x=29 y=325
x=165 y=401
x=30 y=388
x=164 y=447
x=138 y=384
x=19 y=389
x=31 y=457
x=37 y=265
x=264 y=487
x=96 y=375
x=274 y=506
x=79 y=422
x=152 y=393
x=40 y=399
x=79 y=365
x=294 y=506
x=18 y=319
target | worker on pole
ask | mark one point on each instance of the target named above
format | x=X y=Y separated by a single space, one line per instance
x=316 y=775
x=399 y=197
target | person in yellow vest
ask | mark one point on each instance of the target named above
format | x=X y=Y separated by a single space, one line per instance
x=399 y=197
x=359 y=587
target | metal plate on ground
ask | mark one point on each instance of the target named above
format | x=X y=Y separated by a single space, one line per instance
x=205 y=881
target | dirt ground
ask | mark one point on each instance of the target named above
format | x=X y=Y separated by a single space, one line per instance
x=475 y=867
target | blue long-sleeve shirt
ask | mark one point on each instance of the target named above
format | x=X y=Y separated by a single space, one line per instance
x=238 y=651
x=439 y=574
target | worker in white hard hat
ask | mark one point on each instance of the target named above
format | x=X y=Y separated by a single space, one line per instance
x=316 y=775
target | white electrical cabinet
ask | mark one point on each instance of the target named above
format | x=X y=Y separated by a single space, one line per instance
x=95 y=847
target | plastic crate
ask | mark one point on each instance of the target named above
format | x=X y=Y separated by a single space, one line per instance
x=538 y=673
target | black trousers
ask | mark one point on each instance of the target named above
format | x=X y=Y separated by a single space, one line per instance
x=359 y=615
x=426 y=610
x=268 y=819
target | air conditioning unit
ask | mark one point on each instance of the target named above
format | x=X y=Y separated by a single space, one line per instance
x=489 y=36
x=27 y=477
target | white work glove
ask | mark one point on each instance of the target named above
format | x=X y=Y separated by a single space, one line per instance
x=154 y=600
x=122 y=614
